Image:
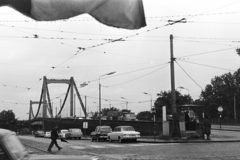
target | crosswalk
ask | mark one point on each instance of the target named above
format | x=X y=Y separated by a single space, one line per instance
x=107 y=146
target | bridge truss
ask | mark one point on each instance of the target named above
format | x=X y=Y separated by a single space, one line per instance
x=45 y=100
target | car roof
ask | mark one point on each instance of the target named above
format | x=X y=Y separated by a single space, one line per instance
x=104 y=126
x=4 y=132
x=123 y=126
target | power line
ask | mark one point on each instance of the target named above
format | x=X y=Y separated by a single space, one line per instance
x=197 y=54
x=189 y=76
x=137 y=77
x=207 y=65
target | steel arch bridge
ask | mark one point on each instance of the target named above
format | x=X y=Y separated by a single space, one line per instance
x=45 y=100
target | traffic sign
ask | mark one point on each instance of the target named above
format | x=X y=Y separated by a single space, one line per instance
x=85 y=124
x=220 y=109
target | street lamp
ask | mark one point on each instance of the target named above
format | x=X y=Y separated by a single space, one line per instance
x=235 y=116
x=100 y=94
x=151 y=99
x=184 y=88
x=109 y=102
x=126 y=102
x=97 y=106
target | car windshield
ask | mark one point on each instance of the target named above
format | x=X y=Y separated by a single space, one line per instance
x=106 y=129
x=15 y=146
x=76 y=130
x=128 y=129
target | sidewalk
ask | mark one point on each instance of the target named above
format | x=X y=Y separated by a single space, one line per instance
x=225 y=134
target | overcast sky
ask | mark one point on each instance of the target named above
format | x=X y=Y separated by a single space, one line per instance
x=204 y=47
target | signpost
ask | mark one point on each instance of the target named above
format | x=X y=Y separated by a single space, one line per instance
x=85 y=126
x=220 y=109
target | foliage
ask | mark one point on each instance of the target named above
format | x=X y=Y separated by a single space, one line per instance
x=7 y=119
x=164 y=99
x=145 y=115
x=221 y=92
x=106 y=110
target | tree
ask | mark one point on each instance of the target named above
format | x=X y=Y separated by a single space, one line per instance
x=145 y=115
x=106 y=110
x=221 y=92
x=7 y=120
x=164 y=99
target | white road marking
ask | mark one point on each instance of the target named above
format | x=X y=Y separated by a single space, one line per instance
x=113 y=145
x=77 y=147
x=96 y=146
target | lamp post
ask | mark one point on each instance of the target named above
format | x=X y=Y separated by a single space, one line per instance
x=109 y=102
x=150 y=100
x=126 y=102
x=235 y=116
x=100 y=94
x=97 y=106
x=185 y=89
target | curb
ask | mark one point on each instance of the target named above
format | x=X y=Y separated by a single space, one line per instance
x=189 y=141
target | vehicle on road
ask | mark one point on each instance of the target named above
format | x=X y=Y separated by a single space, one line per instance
x=39 y=134
x=122 y=133
x=74 y=133
x=47 y=134
x=62 y=133
x=100 y=133
x=11 y=148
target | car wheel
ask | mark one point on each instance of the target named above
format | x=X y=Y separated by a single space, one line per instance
x=120 y=139
x=109 y=139
x=92 y=139
x=98 y=139
x=79 y=138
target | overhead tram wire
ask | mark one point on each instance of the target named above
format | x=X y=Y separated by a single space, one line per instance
x=189 y=76
x=197 y=54
x=207 y=65
x=129 y=72
x=138 y=77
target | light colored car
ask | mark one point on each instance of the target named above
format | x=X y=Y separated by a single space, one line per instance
x=11 y=148
x=62 y=133
x=47 y=134
x=39 y=134
x=74 y=133
x=122 y=133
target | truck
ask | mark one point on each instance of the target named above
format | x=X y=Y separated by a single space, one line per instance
x=74 y=133
x=100 y=133
x=123 y=115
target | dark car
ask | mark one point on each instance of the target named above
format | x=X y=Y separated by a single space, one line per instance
x=39 y=134
x=11 y=148
x=100 y=133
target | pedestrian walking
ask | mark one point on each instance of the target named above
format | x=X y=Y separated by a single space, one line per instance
x=54 y=136
x=207 y=126
x=187 y=120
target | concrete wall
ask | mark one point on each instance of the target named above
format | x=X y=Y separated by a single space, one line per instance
x=144 y=127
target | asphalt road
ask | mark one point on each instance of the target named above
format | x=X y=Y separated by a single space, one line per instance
x=116 y=150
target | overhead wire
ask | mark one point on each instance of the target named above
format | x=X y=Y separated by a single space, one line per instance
x=189 y=75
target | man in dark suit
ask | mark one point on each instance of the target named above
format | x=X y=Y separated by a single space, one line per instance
x=54 y=136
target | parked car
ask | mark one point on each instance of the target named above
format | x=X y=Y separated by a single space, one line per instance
x=62 y=133
x=122 y=133
x=74 y=133
x=39 y=134
x=47 y=134
x=100 y=133
x=11 y=148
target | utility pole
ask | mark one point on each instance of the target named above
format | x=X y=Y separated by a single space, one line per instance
x=173 y=93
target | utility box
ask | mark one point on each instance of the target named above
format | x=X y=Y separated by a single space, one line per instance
x=165 y=128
